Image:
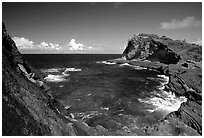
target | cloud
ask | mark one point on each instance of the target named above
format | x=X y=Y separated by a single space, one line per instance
x=189 y=21
x=23 y=43
x=44 y=44
x=117 y=4
x=73 y=46
x=49 y=46
x=90 y=47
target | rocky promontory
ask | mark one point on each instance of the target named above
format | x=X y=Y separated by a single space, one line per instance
x=182 y=62
x=28 y=107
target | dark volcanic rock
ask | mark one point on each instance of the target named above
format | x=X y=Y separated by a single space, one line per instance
x=185 y=79
x=144 y=46
x=27 y=108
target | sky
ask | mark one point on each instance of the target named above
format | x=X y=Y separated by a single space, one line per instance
x=97 y=28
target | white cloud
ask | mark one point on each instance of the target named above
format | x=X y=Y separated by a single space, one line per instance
x=73 y=46
x=23 y=43
x=90 y=47
x=44 y=44
x=189 y=21
x=117 y=4
x=49 y=46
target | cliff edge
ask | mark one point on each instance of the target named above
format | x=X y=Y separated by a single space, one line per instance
x=27 y=105
x=182 y=62
x=29 y=109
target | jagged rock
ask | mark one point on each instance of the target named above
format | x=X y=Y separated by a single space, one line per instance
x=9 y=47
x=144 y=46
x=26 y=108
x=190 y=113
x=185 y=79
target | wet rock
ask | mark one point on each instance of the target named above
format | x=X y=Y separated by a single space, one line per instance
x=26 y=108
x=185 y=79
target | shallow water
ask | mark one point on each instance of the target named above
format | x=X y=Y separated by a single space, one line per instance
x=118 y=97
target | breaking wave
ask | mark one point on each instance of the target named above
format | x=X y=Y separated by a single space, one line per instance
x=51 y=70
x=71 y=69
x=133 y=66
x=163 y=100
x=105 y=62
x=55 y=78
x=61 y=75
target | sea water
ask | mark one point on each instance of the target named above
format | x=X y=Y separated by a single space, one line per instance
x=115 y=96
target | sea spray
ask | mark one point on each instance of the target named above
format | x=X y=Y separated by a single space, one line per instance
x=60 y=76
x=163 y=100
x=106 y=62
x=55 y=78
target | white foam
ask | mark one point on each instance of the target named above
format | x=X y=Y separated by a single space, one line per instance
x=89 y=114
x=138 y=67
x=166 y=102
x=51 y=70
x=124 y=64
x=65 y=74
x=104 y=108
x=55 y=78
x=133 y=66
x=106 y=62
x=71 y=69
x=163 y=100
x=61 y=86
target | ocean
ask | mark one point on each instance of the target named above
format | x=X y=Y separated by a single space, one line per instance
x=115 y=96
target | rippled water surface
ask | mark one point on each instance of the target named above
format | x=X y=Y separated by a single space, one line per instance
x=101 y=93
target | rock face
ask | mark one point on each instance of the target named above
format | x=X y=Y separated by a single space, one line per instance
x=182 y=62
x=27 y=108
x=149 y=47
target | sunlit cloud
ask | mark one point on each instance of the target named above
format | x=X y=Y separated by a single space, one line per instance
x=44 y=44
x=27 y=45
x=73 y=46
x=49 y=46
x=189 y=21
x=23 y=43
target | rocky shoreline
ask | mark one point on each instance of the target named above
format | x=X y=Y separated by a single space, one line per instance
x=185 y=80
x=28 y=109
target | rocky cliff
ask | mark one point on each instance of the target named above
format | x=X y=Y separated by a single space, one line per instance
x=27 y=106
x=162 y=49
x=182 y=62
